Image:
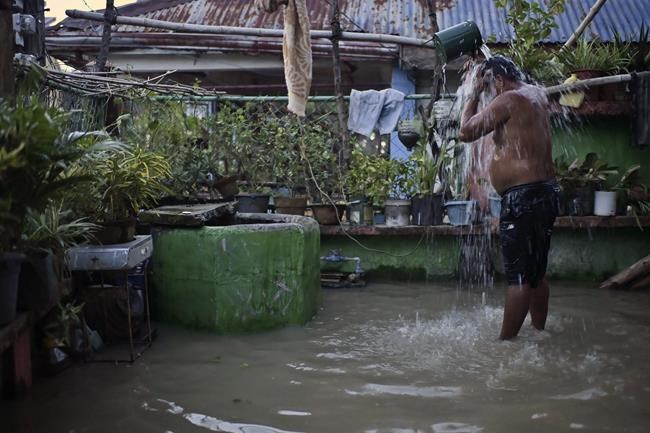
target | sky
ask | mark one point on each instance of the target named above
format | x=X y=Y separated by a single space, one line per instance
x=58 y=7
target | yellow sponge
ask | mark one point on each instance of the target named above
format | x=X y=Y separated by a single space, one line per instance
x=572 y=99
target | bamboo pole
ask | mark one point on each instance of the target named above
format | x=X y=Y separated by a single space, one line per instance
x=585 y=22
x=247 y=31
x=592 y=82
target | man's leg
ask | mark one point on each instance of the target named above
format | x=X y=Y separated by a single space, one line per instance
x=539 y=304
x=515 y=310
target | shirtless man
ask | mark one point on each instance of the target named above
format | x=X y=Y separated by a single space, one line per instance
x=522 y=173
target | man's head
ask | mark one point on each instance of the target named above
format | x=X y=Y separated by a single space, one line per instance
x=505 y=72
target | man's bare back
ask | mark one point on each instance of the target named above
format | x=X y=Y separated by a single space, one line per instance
x=520 y=123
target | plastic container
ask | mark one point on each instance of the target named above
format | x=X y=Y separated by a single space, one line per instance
x=605 y=203
x=495 y=205
x=253 y=203
x=398 y=212
x=460 y=213
x=455 y=41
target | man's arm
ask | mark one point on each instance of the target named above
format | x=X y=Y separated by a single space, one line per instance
x=476 y=125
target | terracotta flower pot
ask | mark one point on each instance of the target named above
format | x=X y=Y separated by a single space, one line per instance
x=291 y=205
x=328 y=214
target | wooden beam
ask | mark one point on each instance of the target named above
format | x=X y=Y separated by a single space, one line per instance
x=626 y=276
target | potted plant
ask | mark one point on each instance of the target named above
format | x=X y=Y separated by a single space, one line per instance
x=288 y=141
x=246 y=145
x=579 y=181
x=321 y=173
x=461 y=210
x=633 y=196
x=46 y=237
x=369 y=182
x=34 y=158
x=425 y=184
x=126 y=180
x=595 y=58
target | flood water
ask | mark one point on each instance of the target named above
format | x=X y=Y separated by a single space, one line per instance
x=393 y=357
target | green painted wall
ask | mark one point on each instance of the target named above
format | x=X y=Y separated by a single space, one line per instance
x=581 y=255
x=411 y=257
x=611 y=138
x=597 y=254
x=238 y=278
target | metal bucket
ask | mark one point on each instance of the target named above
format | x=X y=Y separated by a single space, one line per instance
x=455 y=41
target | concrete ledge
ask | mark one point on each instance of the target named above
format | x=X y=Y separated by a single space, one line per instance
x=258 y=274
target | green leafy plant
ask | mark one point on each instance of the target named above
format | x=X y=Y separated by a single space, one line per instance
x=126 y=180
x=247 y=137
x=639 y=60
x=376 y=177
x=56 y=229
x=532 y=23
x=59 y=331
x=634 y=192
x=591 y=171
x=597 y=55
x=187 y=142
x=35 y=157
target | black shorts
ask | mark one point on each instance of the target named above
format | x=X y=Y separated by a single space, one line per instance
x=528 y=212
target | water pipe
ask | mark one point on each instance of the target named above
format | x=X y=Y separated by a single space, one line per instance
x=335 y=256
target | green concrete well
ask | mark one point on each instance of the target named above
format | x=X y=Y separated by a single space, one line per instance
x=260 y=273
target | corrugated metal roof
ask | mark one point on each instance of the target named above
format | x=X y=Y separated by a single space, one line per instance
x=622 y=16
x=398 y=17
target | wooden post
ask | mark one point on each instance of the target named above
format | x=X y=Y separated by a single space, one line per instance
x=7 y=80
x=35 y=44
x=15 y=348
x=109 y=19
x=344 y=152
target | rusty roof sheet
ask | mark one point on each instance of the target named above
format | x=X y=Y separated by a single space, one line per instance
x=408 y=18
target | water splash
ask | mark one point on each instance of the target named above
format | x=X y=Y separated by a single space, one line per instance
x=485 y=50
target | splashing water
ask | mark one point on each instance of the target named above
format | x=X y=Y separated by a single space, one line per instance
x=485 y=50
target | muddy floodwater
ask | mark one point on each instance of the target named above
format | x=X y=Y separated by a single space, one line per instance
x=393 y=357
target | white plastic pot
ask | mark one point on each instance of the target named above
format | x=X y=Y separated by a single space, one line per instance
x=605 y=203
x=398 y=212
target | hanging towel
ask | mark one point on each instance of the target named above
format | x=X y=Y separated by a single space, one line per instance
x=371 y=109
x=296 y=49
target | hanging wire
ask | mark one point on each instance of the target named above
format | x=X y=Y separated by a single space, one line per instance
x=346 y=16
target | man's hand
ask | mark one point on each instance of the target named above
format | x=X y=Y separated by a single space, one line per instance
x=480 y=83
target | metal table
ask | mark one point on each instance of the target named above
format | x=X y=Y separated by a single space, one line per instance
x=117 y=257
